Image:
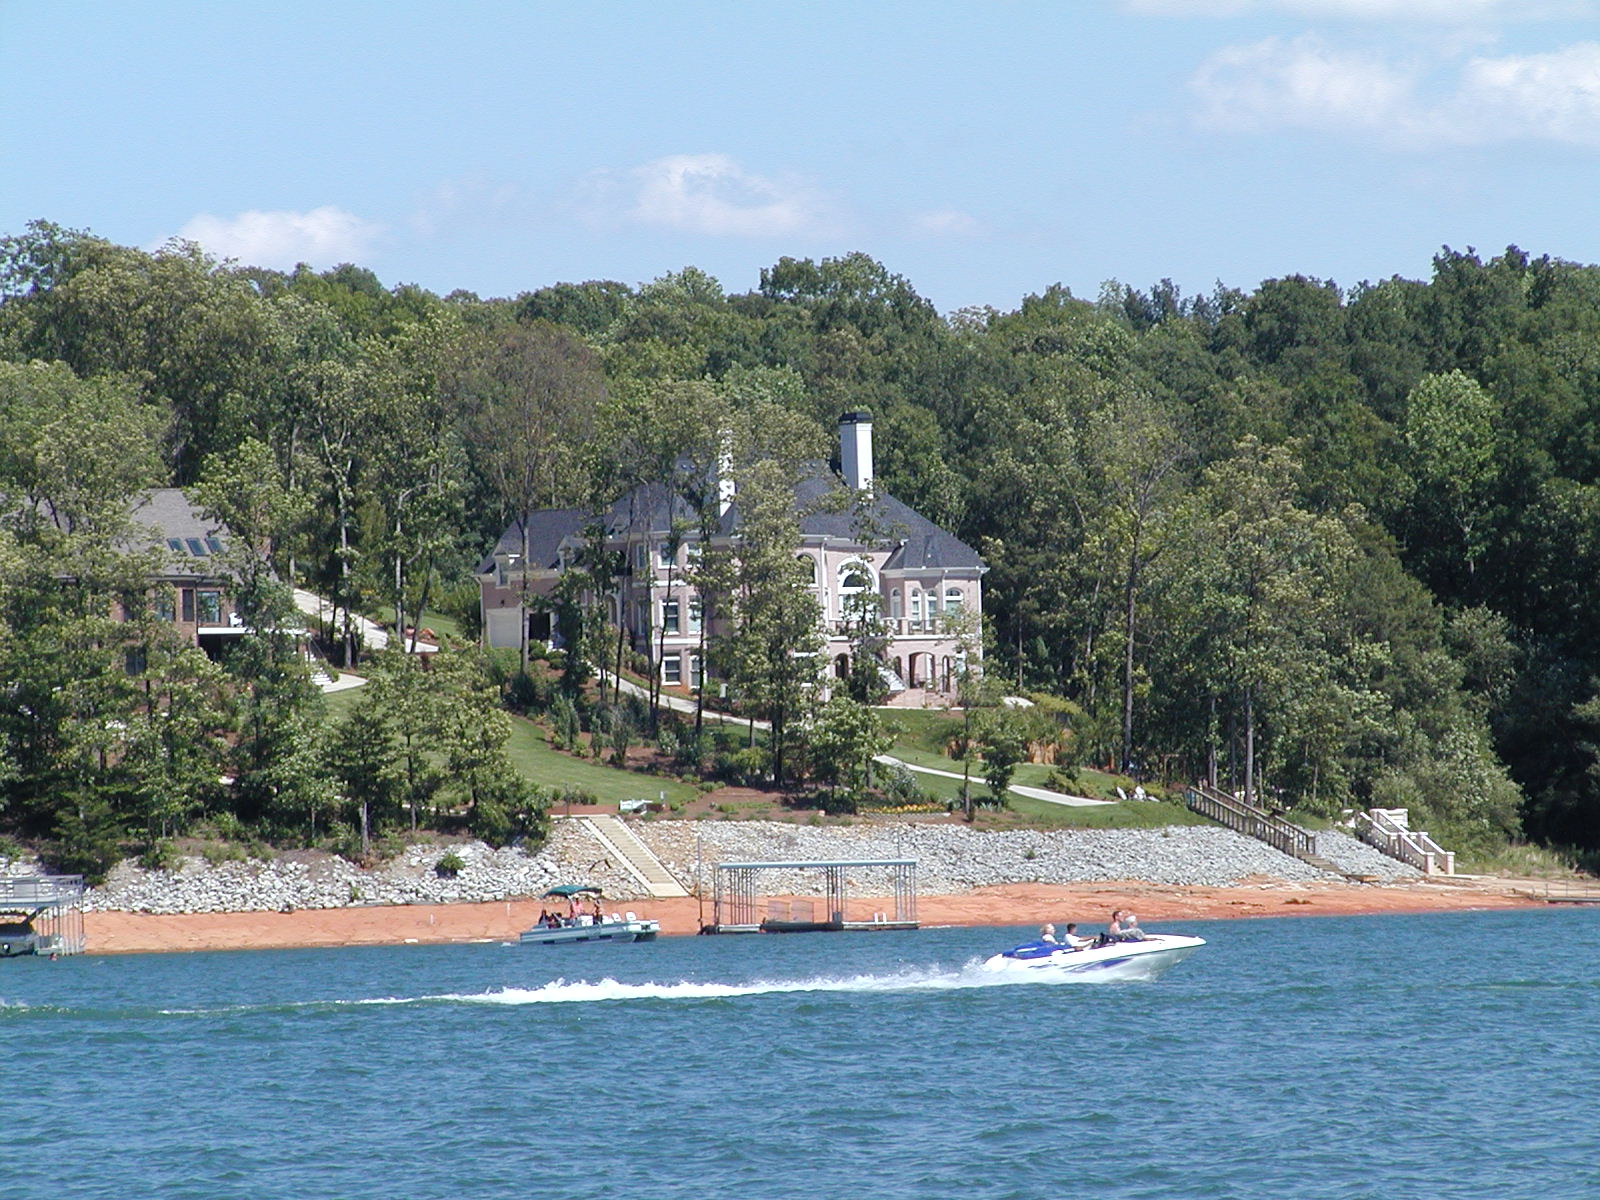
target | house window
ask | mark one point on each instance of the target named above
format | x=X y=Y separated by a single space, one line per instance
x=188 y=604
x=134 y=660
x=916 y=607
x=694 y=615
x=213 y=545
x=691 y=553
x=953 y=600
x=696 y=671
x=809 y=565
x=669 y=616
x=175 y=544
x=639 y=553
x=208 y=606
x=672 y=669
x=161 y=604
x=854 y=579
x=665 y=555
x=195 y=547
x=895 y=607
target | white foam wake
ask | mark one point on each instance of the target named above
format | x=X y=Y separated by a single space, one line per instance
x=583 y=991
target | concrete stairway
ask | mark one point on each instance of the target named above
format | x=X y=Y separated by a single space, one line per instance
x=633 y=856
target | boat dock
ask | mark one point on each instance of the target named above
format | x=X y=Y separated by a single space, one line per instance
x=738 y=898
x=41 y=914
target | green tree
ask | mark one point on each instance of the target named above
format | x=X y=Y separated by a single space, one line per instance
x=845 y=737
x=529 y=395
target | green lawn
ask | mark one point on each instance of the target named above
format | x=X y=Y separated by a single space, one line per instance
x=921 y=736
x=533 y=756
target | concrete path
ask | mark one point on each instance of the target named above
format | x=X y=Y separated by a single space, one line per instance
x=1033 y=793
x=373 y=636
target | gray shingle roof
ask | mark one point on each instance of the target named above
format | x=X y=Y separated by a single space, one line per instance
x=650 y=508
x=192 y=542
x=547 y=528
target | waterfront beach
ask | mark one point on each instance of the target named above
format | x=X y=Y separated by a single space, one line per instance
x=120 y=932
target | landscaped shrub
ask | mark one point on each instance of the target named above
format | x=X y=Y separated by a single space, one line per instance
x=529 y=693
x=160 y=855
x=746 y=766
x=564 y=723
x=450 y=865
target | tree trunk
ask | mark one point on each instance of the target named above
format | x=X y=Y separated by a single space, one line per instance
x=522 y=637
x=1128 y=595
x=1249 y=745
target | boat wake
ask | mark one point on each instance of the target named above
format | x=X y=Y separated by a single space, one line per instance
x=562 y=991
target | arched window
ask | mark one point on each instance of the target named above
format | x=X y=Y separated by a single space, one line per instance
x=916 y=607
x=855 y=581
x=896 y=609
x=810 y=565
x=953 y=599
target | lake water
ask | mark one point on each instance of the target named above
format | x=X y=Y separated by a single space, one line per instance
x=1385 y=1057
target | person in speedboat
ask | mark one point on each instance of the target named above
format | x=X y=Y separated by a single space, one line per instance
x=1047 y=933
x=1071 y=940
x=1124 y=927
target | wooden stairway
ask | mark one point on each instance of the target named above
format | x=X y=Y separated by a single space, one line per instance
x=633 y=856
x=1264 y=826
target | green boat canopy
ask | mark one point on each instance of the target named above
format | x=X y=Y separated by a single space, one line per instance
x=573 y=889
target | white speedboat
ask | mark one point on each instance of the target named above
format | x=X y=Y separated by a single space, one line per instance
x=1113 y=960
x=557 y=930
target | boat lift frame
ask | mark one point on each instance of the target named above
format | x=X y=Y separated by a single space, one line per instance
x=52 y=905
x=736 y=896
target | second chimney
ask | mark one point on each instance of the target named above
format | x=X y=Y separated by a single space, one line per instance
x=855 y=449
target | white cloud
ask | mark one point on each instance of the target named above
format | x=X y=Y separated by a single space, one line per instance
x=707 y=194
x=322 y=237
x=1305 y=84
x=1453 y=12
x=1552 y=96
x=945 y=222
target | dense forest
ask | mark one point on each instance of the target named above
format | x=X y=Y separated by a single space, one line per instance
x=1338 y=542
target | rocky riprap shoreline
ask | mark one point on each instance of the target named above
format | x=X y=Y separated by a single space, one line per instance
x=950 y=858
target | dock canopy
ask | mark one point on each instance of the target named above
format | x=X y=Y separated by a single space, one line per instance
x=573 y=889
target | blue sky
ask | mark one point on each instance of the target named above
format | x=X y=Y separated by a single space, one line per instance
x=983 y=150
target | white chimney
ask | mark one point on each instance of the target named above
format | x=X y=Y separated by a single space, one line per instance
x=855 y=449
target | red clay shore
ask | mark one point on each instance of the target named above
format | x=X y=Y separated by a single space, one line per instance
x=1009 y=904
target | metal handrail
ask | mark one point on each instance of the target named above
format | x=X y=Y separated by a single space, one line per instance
x=1251 y=821
x=41 y=889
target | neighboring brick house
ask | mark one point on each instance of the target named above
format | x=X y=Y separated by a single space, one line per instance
x=920 y=574
x=193 y=589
